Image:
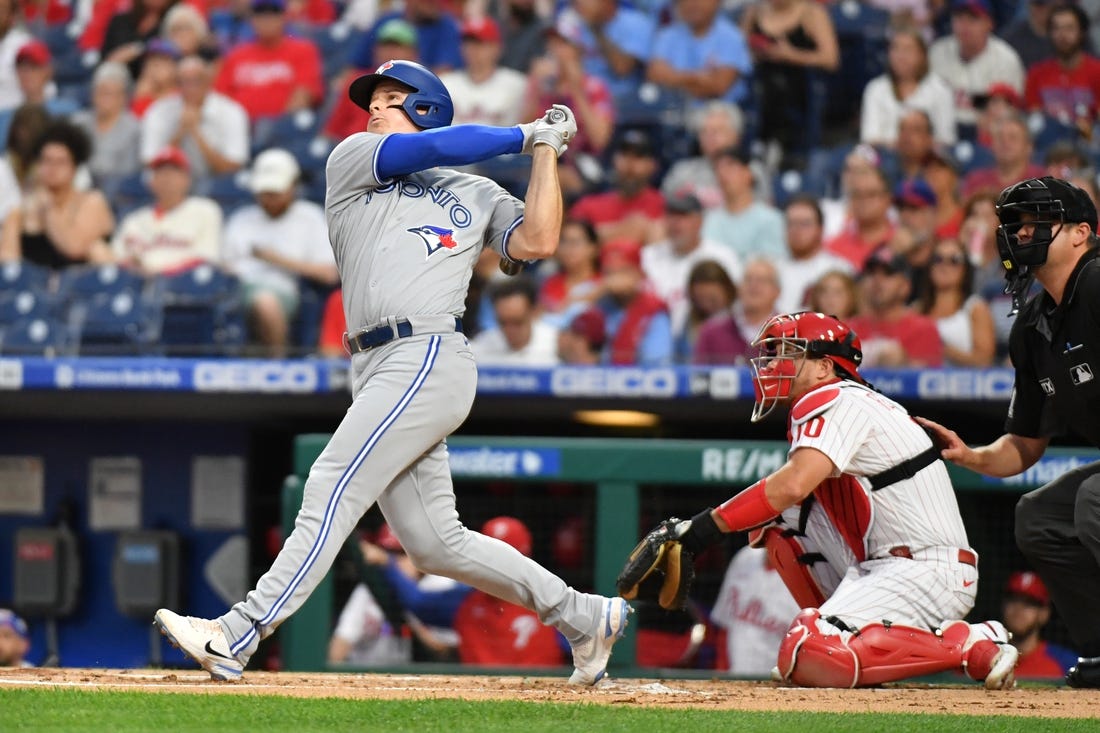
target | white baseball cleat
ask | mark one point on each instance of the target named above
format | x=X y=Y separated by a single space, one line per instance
x=203 y=640
x=590 y=656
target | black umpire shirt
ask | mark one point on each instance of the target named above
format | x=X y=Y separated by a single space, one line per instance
x=1056 y=352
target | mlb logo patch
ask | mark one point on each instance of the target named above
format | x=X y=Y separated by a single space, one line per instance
x=1081 y=373
x=1047 y=385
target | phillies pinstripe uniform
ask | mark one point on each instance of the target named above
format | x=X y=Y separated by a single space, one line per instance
x=856 y=529
x=406 y=235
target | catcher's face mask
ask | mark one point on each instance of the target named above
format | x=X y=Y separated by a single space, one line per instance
x=779 y=360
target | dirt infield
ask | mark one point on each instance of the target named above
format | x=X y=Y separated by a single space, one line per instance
x=714 y=694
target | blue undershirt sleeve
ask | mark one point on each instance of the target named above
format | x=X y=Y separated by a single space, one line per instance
x=404 y=153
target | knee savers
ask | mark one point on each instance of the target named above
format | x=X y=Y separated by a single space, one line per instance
x=810 y=657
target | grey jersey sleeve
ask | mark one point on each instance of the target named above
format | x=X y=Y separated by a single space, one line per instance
x=352 y=169
x=507 y=215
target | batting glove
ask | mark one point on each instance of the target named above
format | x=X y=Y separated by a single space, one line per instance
x=556 y=128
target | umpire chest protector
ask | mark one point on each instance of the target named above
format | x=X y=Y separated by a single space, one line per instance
x=1056 y=350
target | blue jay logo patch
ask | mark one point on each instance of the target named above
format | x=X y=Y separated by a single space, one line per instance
x=435 y=238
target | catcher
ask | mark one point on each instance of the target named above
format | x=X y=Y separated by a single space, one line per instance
x=861 y=522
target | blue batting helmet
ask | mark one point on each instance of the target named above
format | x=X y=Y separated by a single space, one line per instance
x=428 y=105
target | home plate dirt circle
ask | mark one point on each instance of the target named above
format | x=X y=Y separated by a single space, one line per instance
x=714 y=694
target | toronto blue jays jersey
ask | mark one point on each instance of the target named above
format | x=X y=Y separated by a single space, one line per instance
x=414 y=239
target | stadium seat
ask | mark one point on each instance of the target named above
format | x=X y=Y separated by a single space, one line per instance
x=202 y=312
x=971 y=156
x=306 y=328
x=36 y=337
x=98 y=282
x=124 y=323
x=861 y=32
x=335 y=43
x=230 y=191
x=22 y=275
x=129 y=194
x=1047 y=130
x=23 y=305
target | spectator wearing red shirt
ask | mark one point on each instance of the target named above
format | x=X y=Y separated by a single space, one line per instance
x=1066 y=87
x=333 y=326
x=275 y=74
x=1012 y=148
x=497 y=633
x=1026 y=611
x=633 y=209
x=892 y=333
x=869 y=224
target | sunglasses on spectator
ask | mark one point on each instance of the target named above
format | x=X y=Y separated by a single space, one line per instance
x=947 y=259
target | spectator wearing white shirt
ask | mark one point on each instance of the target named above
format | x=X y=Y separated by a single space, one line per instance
x=808 y=259
x=972 y=59
x=717 y=126
x=209 y=127
x=178 y=231
x=519 y=338
x=273 y=243
x=667 y=263
x=484 y=92
x=907 y=83
x=12 y=38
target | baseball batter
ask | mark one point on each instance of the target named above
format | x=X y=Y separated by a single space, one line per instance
x=861 y=522
x=406 y=234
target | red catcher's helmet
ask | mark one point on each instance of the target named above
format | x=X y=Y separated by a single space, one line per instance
x=785 y=340
x=510 y=530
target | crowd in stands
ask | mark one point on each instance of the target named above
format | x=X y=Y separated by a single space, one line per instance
x=735 y=158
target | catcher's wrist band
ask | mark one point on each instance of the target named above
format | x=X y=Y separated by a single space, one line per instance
x=703 y=533
x=748 y=509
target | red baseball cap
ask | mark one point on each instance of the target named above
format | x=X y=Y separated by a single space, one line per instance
x=1006 y=92
x=171 y=155
x=33 y=52
x=482 y=29
x=511 y=531
x=1028 y=585
x=591 y=326
x=620 y=252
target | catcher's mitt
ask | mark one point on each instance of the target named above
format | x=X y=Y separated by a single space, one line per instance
x=659 y=567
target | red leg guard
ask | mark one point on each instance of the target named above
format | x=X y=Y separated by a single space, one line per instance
x=875 y=655
x=784 y=554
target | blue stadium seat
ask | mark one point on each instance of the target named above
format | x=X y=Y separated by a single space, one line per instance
x=36 y=337
x=24 y=305
x=788 y=183
x=306 y=329
x=23 y=275
x=202 y=312
x=285 y=131
x=1047 y=130
x=98 y=282
x=129 y=194
x=335 y=43
x=971 y=156
x=230 y=191
x=124 y=323
x=861 y=32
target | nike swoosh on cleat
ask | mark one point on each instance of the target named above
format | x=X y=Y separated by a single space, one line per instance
x=210 y=650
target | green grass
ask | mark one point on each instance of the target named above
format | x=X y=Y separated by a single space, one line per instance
x=120 y=712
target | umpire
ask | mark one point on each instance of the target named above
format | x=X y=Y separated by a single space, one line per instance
x=1048 y=233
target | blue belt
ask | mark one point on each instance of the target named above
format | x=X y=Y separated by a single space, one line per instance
x=374 y=337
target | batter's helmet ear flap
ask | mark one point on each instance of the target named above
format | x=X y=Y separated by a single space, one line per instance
x=428 y=104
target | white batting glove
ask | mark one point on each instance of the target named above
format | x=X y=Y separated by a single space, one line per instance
x=556 y=128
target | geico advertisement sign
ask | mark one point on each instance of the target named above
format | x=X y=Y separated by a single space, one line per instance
x=994 y=384
x=239 y=376
x=613 y=382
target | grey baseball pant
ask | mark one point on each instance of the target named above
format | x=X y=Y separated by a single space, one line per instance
x=410 y=394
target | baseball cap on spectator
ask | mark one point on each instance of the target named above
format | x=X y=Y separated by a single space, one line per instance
x=620 y=252
x=33 y=52
x=483 y=30
x=568 y=28
x=396 y=30
x=635 y=141
x=171 y=155
x=591 y=326
x=980 y=8
x=9 y=619
x=511 y=531
x=914 y=193
x=1027 y=585
x=274 y=171
x=940 y=156
x=1007 y=92
x=268 y=6
x=885 y=259
x=163 y=47
x=683 y=202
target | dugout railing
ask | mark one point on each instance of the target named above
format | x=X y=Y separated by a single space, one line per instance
x=617 y=469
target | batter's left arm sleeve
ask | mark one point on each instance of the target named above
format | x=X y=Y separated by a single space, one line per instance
x=399 y=155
